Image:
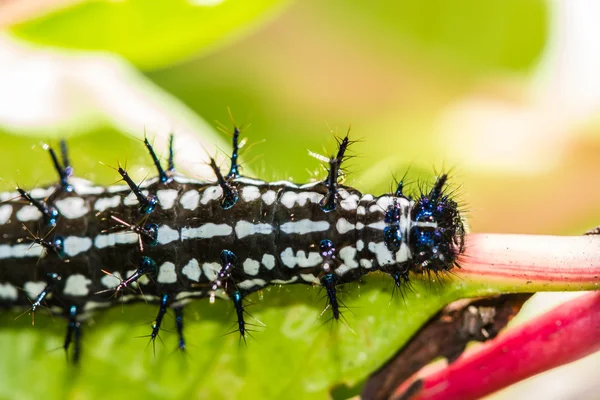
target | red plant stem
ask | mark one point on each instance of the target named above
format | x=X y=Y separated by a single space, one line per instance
x=564 y=334
x=535 y=261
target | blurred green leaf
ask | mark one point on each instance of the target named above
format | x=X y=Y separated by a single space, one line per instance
x=476 y=35
x=149 y=34
x=298 y=354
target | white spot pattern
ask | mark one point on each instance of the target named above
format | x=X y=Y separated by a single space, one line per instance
x=250 y=193
x=167 y=198
x=343 y=226
x=245 y=228
x=74 y=245
x=105 y=203
x=268 y=260
x=77 y=285
x=251 y=267
x=211 y=193
x=189 y=200
x=304 y=226
x=206 y=231
x=5 y=213
x=166 y=234
x=72 y=207
x=211 y=270
x=8 y=292
x=192 y=270
x=112 y=239
x=166 y=273
x=33 y=289
x=28 y=213
x=269 y=197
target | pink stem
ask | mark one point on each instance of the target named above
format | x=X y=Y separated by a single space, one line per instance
x=538 y=262
x=564 y=334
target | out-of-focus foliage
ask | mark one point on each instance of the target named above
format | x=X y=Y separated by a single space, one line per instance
x=150 y=34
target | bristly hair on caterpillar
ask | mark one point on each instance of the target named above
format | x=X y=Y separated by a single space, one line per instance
x=171 y=239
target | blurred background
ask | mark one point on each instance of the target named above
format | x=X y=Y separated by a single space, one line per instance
x=505 y=95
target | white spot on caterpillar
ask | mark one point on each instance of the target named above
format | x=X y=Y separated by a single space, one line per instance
x=166 y=234
x=250 y=193
x=8 y=292
x=269 y=197
x=72 y=207
x=360 y=225
x=284 y=183
x=304 y=226
x=365 y=263
x=244 y=228
x=211 y=270
x=206 y=231
x=104 y=203
x=5 y=213
x=21 y=250
x=282 y=282
x=251 y=266
x=349 y=201
x=28 y=213
x=186 y=180
x=189 y=200
x=192 y=270
x=166 y=273
x=383 y=255
x=74 y=245
x=360 y=245
x=378 y=225
x=112 y=239
x=361 y=210
x=348 y=254
x=33 y=289
x=268 y=261
x=250 y=283
x=167 y=198
x=426 y=224
x=290 y=199
x=77 y=285
x=343 y=226
x=290 y=260
x=84 y=187
x=342 y=269
x=117 y=188
x=310 y=278
x=250 y=181
x=111 y=281
x=403 y=254
x=39 y=193
x=211 y=193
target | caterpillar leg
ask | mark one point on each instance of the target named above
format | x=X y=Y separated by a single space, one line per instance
x=162 y=310
x=73 y=335
x=179 y=327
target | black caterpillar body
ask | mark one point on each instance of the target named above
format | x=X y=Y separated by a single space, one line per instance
x=75 y=247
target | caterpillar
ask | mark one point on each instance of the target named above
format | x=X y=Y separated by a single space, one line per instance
x=75 y=248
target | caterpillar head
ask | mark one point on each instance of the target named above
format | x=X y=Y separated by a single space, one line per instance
x=437 y=232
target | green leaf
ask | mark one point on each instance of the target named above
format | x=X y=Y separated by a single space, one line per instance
x=149 y=34
x=297 y=354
